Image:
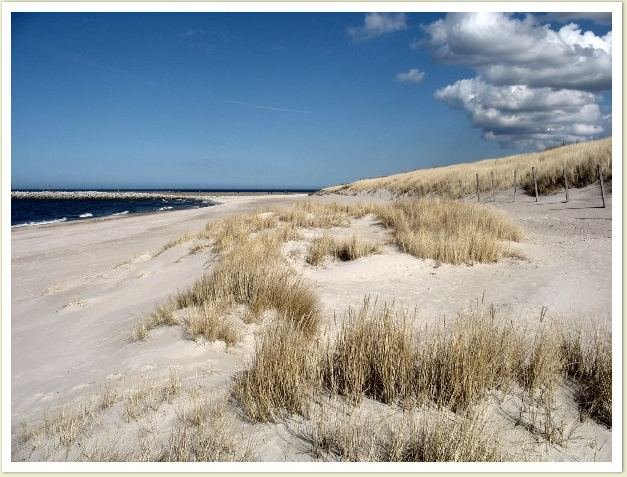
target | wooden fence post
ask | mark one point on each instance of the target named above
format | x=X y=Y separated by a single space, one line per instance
x=478 y=199
x=565 y=182
x=492 y=176
x=601 y=182
x=535 y=183
x=461 y=190
x=514 y=185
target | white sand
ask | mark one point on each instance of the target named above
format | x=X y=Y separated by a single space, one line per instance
x=78 y=288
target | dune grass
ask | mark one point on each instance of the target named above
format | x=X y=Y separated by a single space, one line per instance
x=449 y=231
x=163 y=315
x=310 y=215
x=457 y=365
x=456 y=181
x=204 y=433
x=588 y=359
x=208 y=322
x=282 y=375
x=373 y=356
x=344 y=250
x=408 y=437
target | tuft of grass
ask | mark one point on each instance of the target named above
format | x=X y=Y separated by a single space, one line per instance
x=320 y=248
x=373 y=356
x=281 y=377
x=346 y=250
x=458 y=365
x=251 y=274
x=173 y=385
x=409 y=437
x=588 y=361
x=449 y=231
x=456 y=181
x=315 y=215
x=231 y=231
x=164 y=315
x=109 y=396
x=543 y=367
x=205 y=434
x=441 y=439
x=187 y=237
x=207 y=322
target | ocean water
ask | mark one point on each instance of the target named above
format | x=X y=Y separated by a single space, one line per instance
x=26 y=212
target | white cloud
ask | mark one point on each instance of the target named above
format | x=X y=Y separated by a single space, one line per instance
x=523 y=116
x=377 y=24
x=507 y=50
x=414 y=75
x=536 y=87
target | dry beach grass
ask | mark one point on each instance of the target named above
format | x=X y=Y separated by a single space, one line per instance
x=340 y=380
x=455 y=181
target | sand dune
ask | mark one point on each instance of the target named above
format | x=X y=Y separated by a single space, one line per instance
x=79 y=288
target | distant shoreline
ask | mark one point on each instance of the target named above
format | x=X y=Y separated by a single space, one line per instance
x=145 y=194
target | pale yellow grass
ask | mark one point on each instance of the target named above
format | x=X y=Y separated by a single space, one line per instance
x=208 y=322
x=588 y=358
x=425 y=436
x=344 y=250
x=163 y=315
x=449 y=231
x=455 y=181
x=203 y=432
x=373 y=355
x=282 y=376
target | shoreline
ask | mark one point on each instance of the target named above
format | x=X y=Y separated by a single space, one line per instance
x=216 y=200
x=138 y=195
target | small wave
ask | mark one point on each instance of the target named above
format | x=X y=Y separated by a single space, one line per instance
x=121 y=213
x=43 y=222
x=85 y=215
x=166 y=208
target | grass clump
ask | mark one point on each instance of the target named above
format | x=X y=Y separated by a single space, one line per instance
x=440 y=438
x=589 y=364
x=408 y=437
x=251 y=274
x=458 y=365
x=203 y=433
x=315 y=215
x=164 y=315
x=346 y=250
x=449 y=231
x=373 y=356
x=231 y=231
x=281 y=377
x=207 y=322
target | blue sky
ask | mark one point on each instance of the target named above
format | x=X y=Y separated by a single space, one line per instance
x=292 y=100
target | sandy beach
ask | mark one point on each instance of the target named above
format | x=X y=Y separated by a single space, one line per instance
x=78 y=289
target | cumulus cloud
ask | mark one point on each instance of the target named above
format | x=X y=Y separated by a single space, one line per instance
x=536 y=87
x=522 y=116
x=507 y=50
x=414 y=75
x=377 y=24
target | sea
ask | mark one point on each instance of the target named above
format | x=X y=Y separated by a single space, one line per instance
x=27 y=212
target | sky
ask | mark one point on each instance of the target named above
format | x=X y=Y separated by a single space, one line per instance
x=294 y=100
